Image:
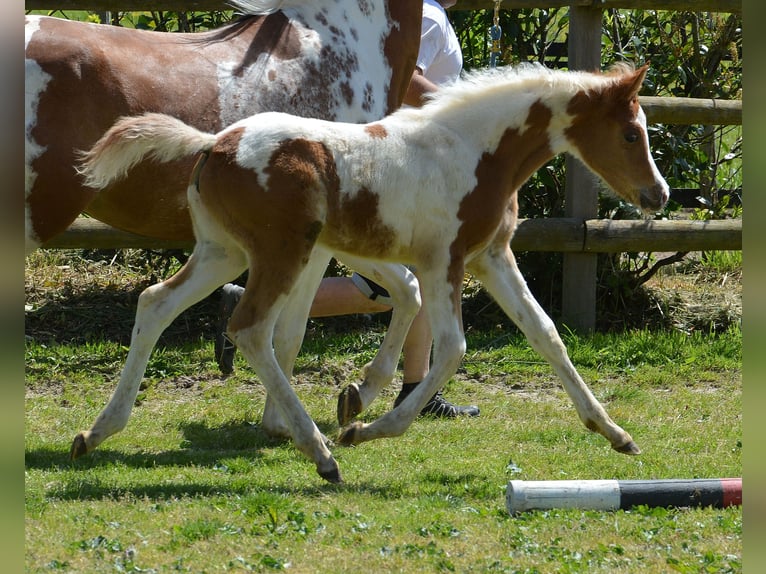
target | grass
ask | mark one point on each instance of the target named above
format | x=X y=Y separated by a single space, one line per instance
x=194 y=485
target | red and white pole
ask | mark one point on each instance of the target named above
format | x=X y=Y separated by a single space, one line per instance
x=523 y=495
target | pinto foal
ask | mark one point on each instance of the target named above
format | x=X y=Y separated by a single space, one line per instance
x=434 y=187
x=341 y=61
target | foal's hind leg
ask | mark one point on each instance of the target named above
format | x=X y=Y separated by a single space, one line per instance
x=402 y=285
x=252 y=326
x=209 y=265
x=497 y=270
x=289 y=333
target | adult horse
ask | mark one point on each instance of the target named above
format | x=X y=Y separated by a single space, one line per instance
x=389 y=191
x=348 y=61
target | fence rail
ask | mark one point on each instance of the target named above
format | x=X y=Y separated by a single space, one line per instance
x=568 y=235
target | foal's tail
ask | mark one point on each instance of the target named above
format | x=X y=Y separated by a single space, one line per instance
x=132 y=139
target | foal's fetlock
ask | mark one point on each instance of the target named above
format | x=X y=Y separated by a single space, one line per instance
x=349 y=435
x=349 y=404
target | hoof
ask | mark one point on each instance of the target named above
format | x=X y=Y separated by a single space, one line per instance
x=332 y=475
x=628 y=448
x=79 y=448
x=347 y=436
x=349 y=404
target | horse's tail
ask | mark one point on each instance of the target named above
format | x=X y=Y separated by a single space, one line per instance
x=133 y=139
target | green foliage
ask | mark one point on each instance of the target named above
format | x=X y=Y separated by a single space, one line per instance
x=173 y=21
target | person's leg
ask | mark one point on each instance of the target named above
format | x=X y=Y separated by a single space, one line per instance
x=417 y=360
x=335 y=296
x=342 y=296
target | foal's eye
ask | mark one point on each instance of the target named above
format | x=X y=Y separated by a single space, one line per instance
x=631 y=137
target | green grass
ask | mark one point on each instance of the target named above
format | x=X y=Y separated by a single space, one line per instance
x=194 y=485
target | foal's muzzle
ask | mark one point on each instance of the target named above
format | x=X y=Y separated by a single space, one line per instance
x=654 y=198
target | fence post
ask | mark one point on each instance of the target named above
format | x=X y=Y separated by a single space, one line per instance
x=578 y=304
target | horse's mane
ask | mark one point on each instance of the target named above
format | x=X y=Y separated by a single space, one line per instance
x=263 y=7
x=526 y=76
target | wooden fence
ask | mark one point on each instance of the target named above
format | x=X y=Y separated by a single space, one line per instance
x=579 y=235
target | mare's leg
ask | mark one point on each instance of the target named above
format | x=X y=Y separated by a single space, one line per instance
x=289 y=332
x=252 y=326
x=448 y=349
x=209 y=265
x=497 y=270
x=402 y=285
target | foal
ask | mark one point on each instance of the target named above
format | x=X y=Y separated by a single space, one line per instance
x=349 y=61
x=433 y=187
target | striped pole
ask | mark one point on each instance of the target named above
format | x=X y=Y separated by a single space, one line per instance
x=522 y=495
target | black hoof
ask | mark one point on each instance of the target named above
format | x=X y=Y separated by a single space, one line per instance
x=332 y=476
x=347 y=436
x=349 y=404
x=628 y=448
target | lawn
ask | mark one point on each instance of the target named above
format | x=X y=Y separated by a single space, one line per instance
x=194 y=485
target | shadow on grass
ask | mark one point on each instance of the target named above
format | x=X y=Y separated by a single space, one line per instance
x=203 y=447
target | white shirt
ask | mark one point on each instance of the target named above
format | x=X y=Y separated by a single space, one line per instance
x=440 y=57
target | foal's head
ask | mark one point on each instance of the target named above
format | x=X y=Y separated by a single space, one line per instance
x=609 y=131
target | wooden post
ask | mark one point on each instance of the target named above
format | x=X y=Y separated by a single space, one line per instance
x=578 y=305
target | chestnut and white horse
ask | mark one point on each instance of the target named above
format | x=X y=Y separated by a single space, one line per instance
x=343 y=61
x=434 y=187
x=348 y=61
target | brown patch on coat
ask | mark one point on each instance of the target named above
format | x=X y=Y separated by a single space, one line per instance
x=376 y=131
x=401 y=48
x=354 y=225
x=489 y=211
x=276 y=217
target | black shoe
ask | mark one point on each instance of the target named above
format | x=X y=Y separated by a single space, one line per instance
x=224 y=347
x=438 y=406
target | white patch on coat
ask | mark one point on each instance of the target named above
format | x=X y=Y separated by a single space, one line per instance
x=342 y=28
x=35 y=82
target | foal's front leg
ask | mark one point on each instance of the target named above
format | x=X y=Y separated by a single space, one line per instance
x=289 y=333
x=448 y=350
x=251 y=327
x=497 y=270
x=402 y=285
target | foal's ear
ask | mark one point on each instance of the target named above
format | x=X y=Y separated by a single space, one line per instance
x=635 y=80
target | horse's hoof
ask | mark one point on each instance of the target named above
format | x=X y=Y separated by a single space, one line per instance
x=349 y=404
x=628 y=448
x=79 y=448
x=332 y=475
x=347 y=436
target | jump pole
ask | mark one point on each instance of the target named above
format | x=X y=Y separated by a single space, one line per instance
x=523 y=495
